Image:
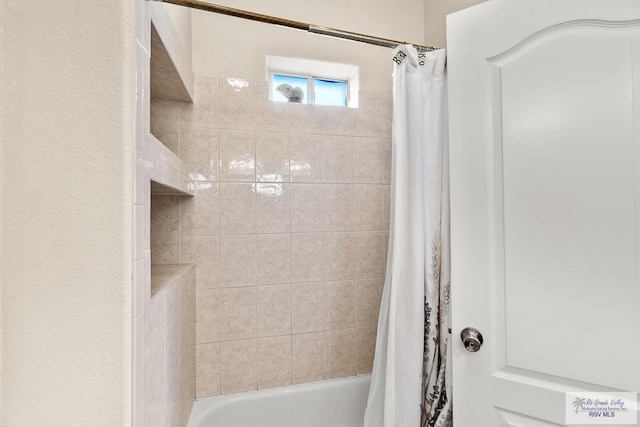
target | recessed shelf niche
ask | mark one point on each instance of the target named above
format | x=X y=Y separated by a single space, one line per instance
x=168 y=92
x=165 y=204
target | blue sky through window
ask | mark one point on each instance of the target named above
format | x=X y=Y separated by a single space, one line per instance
x=328 y=92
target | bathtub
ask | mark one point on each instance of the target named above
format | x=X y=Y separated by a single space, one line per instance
x=333 y=403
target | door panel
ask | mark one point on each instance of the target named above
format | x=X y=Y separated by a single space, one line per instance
x=569 y=204
x=545 y=198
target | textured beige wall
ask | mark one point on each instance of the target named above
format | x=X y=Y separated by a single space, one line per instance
x=232 y=47
x=67 y=99
x=435 y=15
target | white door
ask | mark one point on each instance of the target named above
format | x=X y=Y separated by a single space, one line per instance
x=545 y=205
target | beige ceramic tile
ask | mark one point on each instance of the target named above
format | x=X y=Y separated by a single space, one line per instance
x=238 y=257
x=154 y=384
x=145 y=222
x=337 y=207
x=199 y=215
x=273 y=208
x=236 y=109
x=138 y=342
x=142 y=232
x=237 y=208
x=386 y=161
x=337 y=159
x=187 y=387
x=154 y=319
x=304 y=118
x=274 y=258
x=307 y=301
x=307 y=357
x=385 y=241
x=138 y=398
x=386 y=114
x=140 y=274
x=203 y=113
x=199 y=115
x=171 y=160
x=238 y=313
x=239 y=367
x=370 y=261
x=205 y=89
x=187 y=321
x=306 y=207
x=305 y=158
x=172 y=374
x=368 y=207
x=367 y=160
x=365 y=349
x=173 y=302
x=270 y=116
x=306 y=257
x=165 y=123
x=368 y=296
x=336 y=120
x=189 y=285
x=386 y=203
x=274 y=310
x=142 y=190
x=339 y=262
x=340 y=353
x=187 y=318
x=339 y=305
x=207 y=316
x=272 y=156
x=237 y=155
x=203 y=251
x=165 y=250
x=199 y=152
x=207 y=370
x=366 y=118
x=165 y=216
x=187 y=383
x=274 y=362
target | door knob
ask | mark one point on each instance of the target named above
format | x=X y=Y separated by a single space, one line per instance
x=472 y=339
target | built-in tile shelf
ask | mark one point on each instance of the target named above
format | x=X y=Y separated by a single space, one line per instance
x=166 y=171
x=163 y=275
x=167 y=189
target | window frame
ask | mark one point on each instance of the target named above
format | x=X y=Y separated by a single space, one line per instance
x=311 y=78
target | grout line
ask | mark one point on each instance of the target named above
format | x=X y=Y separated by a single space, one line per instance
x=290 y=380
x=218 y=175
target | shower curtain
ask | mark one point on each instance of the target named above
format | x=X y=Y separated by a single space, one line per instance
x=411 y=378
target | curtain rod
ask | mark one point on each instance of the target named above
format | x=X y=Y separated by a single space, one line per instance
x=315 y=29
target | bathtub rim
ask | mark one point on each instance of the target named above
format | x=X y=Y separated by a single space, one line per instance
x=205 y=405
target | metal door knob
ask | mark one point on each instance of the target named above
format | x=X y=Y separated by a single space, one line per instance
x=472 y=339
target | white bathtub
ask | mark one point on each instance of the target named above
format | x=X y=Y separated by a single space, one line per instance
x=334 y=403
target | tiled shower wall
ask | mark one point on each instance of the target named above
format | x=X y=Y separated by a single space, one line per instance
x=288 y=230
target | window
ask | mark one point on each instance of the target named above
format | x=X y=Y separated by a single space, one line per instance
x=312 y=82
x=309 y=90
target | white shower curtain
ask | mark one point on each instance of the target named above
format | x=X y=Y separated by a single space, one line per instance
x=411 y=379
